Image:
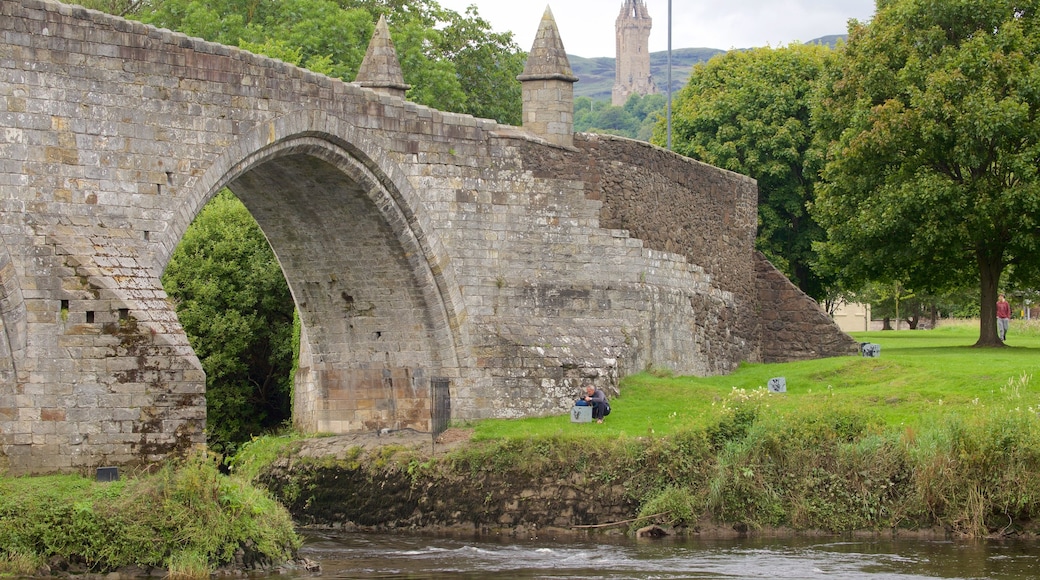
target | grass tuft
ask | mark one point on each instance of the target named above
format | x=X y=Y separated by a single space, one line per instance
x=253 y=455
x=19 y=564
x=188 y=565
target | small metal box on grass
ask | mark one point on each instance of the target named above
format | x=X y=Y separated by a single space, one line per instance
x=581 y=414
x=108 y=474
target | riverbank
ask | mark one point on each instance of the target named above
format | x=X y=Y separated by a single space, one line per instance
x=186 y=521
x=934 y=438
x=835 y=474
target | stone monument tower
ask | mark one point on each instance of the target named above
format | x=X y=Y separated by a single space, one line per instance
x=632 y=74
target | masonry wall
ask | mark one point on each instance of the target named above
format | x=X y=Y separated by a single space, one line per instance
x=709 y=215
x=793 y=326
x=554 y=299
x=419 y=246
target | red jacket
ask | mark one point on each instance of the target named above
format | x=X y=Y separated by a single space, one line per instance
x=1003 y=310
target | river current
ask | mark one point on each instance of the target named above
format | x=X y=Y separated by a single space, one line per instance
x=364 y=555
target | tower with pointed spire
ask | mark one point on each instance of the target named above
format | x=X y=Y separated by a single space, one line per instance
x=548 y=86
x=380 y=70
x=632 y=66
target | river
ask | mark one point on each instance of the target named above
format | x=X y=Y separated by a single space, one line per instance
x=365 y=555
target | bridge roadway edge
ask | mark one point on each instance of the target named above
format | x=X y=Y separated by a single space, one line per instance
x=480 y=259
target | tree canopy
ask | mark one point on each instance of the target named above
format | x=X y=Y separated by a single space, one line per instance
x=235 y=307
x=453 y=62
x=934 y=143
x=635 y=119
x=749 y=112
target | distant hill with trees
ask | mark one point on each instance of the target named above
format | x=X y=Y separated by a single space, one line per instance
x=596 y=75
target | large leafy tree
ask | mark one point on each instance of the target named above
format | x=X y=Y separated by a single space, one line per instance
x=454 y=62
x=236 y=308
x=932 y=172
x=484 y=62
x=749 y=112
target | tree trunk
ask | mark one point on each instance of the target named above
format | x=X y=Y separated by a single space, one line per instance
x=934 y=317
x=989 y=278
x=888 y=323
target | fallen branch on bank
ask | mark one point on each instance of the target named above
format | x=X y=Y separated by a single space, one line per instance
x=591 y=526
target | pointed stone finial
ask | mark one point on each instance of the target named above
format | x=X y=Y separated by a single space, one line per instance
x=380 y=70
x=548 y=59
x=548 y=86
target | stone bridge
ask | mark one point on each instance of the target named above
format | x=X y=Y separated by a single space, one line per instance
x=428 y=253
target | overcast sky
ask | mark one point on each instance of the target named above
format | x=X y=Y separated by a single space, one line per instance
x=587 y=26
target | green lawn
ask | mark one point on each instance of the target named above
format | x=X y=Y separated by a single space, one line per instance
x=920 y=378
x=933 y=434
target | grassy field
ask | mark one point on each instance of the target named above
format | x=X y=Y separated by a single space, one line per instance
x=933 y=434
x=921 y=378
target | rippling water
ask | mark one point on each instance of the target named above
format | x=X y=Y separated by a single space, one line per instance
x=360 y=555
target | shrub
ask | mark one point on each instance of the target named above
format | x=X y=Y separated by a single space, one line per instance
x=182 y=517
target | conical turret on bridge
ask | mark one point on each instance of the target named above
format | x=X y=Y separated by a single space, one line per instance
x=380 y=70
x=548 y=86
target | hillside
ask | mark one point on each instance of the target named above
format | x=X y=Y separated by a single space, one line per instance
x=596 y=75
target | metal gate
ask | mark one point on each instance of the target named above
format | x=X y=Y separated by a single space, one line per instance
x=441 y=410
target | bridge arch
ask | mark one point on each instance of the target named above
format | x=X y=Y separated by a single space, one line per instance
x=466 y=253
x=380 y=313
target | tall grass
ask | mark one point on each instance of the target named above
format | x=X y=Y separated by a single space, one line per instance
x=19 y=564
x=186 y=518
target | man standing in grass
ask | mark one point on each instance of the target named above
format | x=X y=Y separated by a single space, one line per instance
x=1003 y=317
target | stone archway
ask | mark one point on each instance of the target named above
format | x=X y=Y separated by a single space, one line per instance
x=376 y=332
x=502 y=262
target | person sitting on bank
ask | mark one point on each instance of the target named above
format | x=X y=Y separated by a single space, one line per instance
x=596 y=399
